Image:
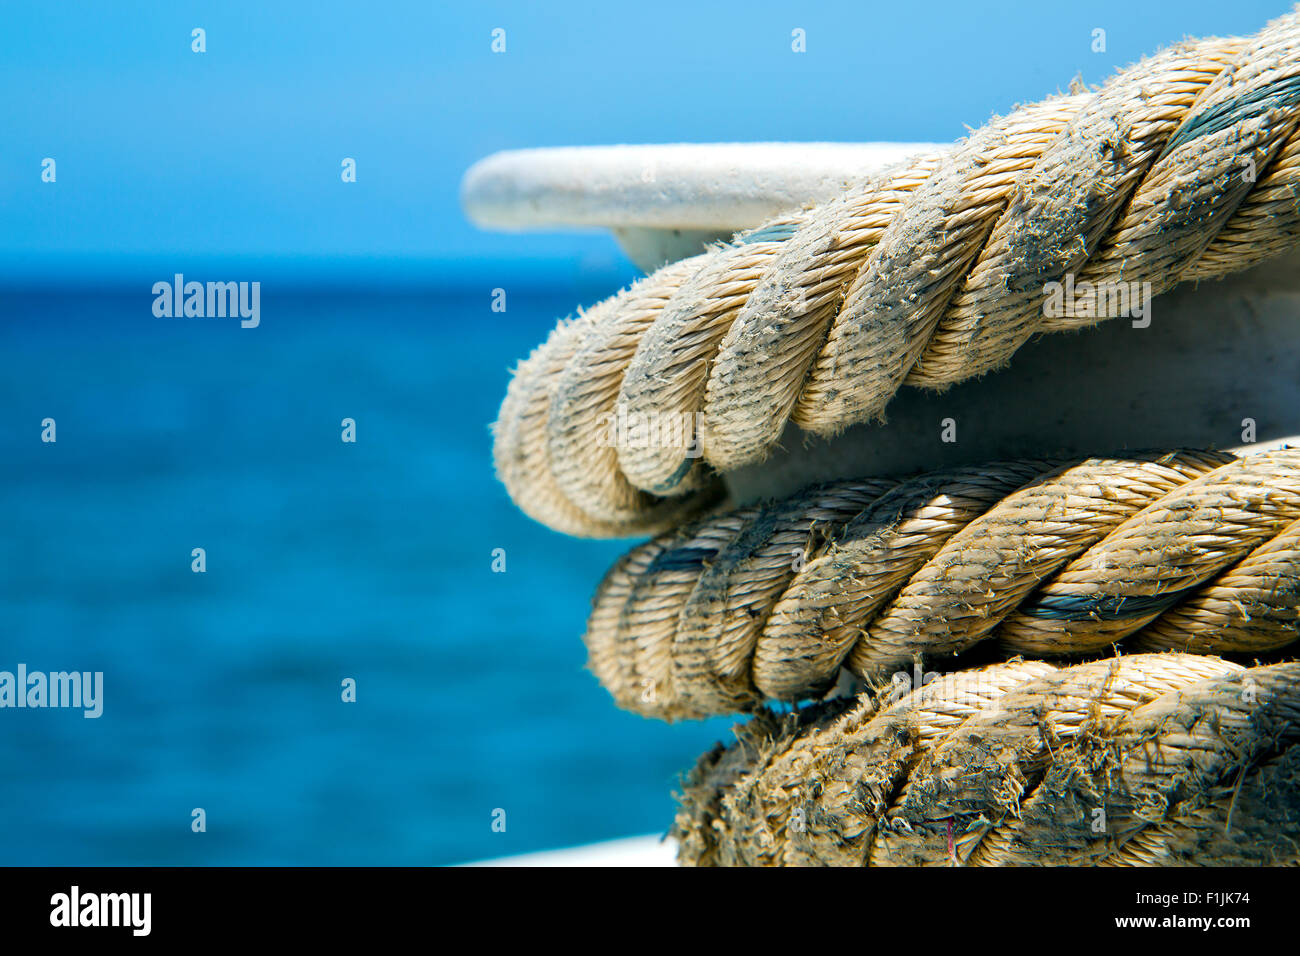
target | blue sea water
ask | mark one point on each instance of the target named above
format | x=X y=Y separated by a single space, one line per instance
x=325 y=560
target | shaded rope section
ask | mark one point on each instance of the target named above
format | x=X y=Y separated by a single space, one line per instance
x=1142 y=760
x=1185 y=166
x=524 y=442
x=1186 y=550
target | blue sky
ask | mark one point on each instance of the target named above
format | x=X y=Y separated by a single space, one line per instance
x=169 y=159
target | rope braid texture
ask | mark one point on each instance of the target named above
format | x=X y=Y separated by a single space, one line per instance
x=1148 y=759
x=1185 y=166
x=1179 y=550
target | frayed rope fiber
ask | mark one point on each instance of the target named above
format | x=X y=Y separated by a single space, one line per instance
x=1145 y=760
x=1180 y=550
x=1185 y=166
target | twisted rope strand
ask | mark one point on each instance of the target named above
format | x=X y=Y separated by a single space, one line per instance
x=522 y=449
x=819 y=617
x=1195 y=550
x=1237 y=826
x=1182 y=167
x=998 y=756
x=909 y=277
x=1065 y=206
x=1251 y=608
x=669 y=370
x=1146 y=758
x=1161 y=757
x=586 y=391
x=989 y=568
x=1159 y=556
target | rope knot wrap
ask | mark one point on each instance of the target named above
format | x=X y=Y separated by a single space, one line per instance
x=1149 y=759
x=1182 y=550
x=1185 y=166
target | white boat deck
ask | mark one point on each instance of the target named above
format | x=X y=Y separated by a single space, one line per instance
x=649 y=850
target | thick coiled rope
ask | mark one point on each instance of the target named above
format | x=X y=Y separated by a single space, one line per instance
x=1183 y=167
x=1184 y=550
x=1149 y=759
